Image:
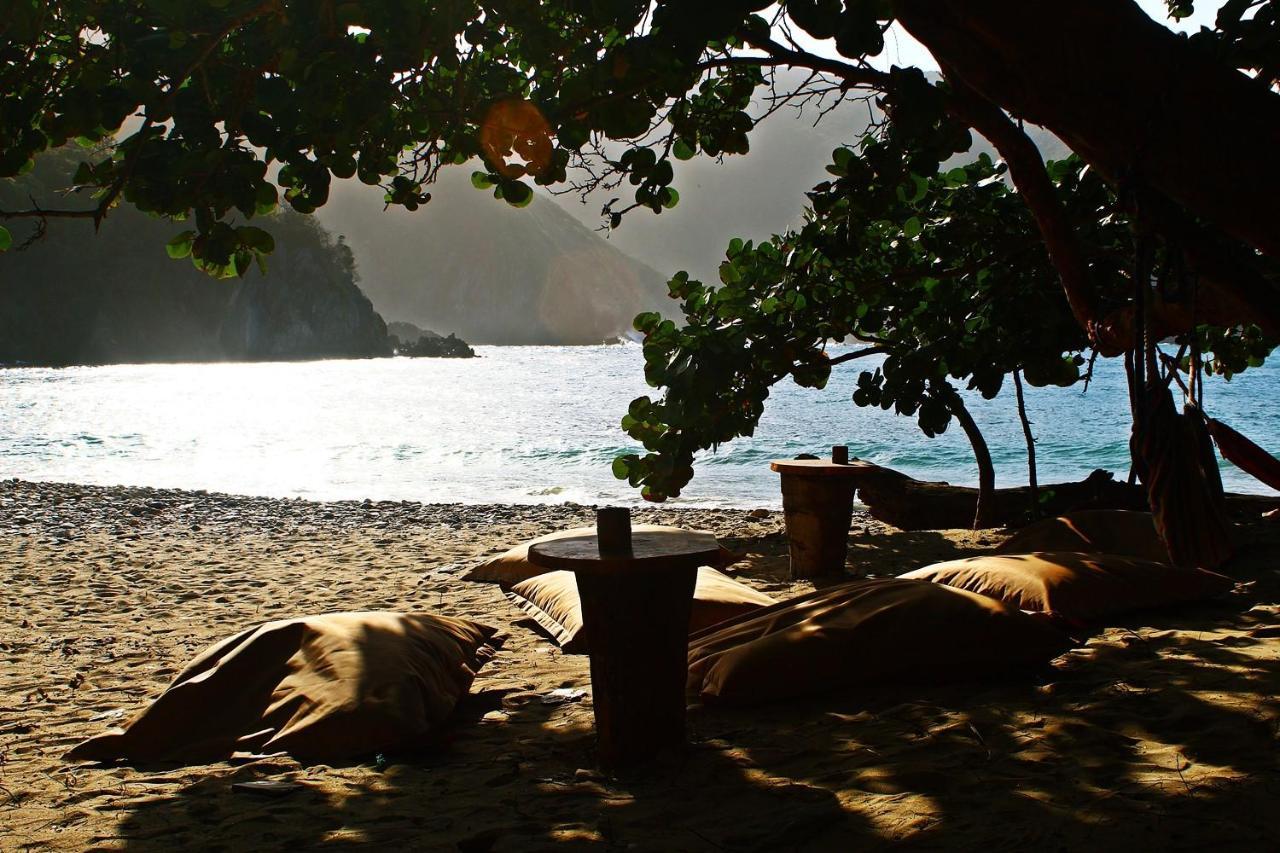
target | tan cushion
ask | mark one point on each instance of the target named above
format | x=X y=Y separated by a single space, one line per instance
x=552 y=600
x=513 y=566
x=1094 y=531
x=1085 y=587
x=324 y=687
x=865 y=633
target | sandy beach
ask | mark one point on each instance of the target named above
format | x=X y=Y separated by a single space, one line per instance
x=1158 y=733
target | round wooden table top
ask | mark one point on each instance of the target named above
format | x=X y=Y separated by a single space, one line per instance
x=821 y=467
x=650 y=551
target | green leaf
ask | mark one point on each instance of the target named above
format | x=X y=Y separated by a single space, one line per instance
x=912 y=228
x=921 y=188
x=6 y=239
x=840 y=160
x=517 y=193
x=267 y=198
x=180 y=245
x=573 y=135
x=621 y=468
x=481 y=180
x=256 y=239
x=682 y=150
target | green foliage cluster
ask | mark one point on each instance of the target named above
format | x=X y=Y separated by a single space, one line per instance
x=942 y=274
x=226 y=91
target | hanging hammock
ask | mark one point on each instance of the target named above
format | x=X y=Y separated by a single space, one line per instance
x=1182 y=487
x=1244 y=454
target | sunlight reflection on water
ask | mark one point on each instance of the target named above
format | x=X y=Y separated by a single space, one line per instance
x=518 y=425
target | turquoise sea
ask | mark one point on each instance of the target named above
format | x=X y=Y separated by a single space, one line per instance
x=517 y=425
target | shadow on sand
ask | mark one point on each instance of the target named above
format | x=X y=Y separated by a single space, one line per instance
x=1140 y=739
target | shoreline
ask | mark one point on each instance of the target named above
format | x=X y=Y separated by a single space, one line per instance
x=175 y=492
x=200 y=505
x=1160 y=729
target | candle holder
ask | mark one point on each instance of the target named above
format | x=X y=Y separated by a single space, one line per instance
x=613 y=529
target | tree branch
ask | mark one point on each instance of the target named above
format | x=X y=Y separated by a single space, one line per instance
x=39 y=213
x=861 y=353
x=1026 y=168
x=853 y=75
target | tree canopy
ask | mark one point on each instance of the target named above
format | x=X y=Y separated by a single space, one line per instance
x=221 y=108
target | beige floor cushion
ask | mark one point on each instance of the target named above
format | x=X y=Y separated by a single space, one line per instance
x=865 y=633
x=552 y=600
x=513 y=566
x=1094 y=531
x=1083 y=587
x=325 y=687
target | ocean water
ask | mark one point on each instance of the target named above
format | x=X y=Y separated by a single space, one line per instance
x=517 y=425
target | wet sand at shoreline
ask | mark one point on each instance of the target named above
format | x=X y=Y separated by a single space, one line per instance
x=1158 y=733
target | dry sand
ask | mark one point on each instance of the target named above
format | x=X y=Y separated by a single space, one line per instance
x=1161 y=733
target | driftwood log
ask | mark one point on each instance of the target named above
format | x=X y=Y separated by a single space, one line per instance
x=909 y=504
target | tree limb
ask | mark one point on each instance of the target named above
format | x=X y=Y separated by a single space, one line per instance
x=1026 y=168
x=861 y=353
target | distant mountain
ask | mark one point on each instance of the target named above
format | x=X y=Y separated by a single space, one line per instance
x=750 y=196
x=74 y=297
x=471 y=264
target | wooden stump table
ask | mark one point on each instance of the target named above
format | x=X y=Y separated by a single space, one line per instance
x=635 y=612
x=817 y=500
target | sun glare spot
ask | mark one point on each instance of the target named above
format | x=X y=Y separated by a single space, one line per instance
x=516 y=138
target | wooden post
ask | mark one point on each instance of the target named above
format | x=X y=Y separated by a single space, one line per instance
x=637 y=626
x=818 y=512
x=840 y=454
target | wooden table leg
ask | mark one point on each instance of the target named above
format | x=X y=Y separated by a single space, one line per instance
x=637 y=627
x=818 y=512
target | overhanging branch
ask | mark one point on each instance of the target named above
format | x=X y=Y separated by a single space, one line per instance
x=1026 y=168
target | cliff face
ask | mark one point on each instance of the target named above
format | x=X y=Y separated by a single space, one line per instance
x=312 y=312
x=78 y=298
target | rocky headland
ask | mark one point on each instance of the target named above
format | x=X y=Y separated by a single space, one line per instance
x=75 y=297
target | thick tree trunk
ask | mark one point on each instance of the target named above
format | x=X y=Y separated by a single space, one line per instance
x=981 y=454
x=1134 y=100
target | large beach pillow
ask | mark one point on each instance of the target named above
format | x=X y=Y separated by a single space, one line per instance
x=513 y=566
x=325 y=687
x=1083 y=587
x=552 y=600
x=864 y=633
x=1092 y=531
